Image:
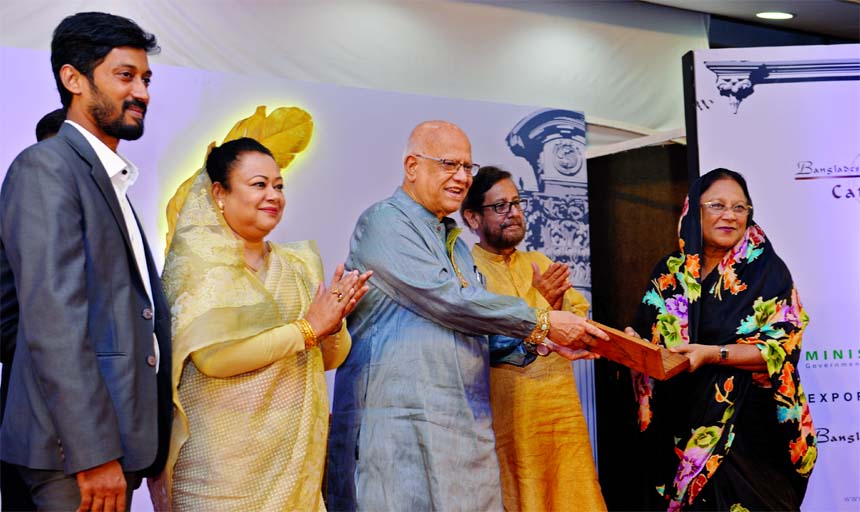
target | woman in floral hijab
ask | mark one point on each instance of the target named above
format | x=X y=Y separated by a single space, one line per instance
x=735 y=433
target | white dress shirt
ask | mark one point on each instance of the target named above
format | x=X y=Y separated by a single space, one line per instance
x=123 y=174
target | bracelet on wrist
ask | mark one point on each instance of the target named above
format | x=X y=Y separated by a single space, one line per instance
x=534 y=343
x=307 y=331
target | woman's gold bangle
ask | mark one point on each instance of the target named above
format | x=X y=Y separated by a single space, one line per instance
x=311 y=339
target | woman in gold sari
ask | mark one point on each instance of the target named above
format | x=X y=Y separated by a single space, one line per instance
x=254 y=331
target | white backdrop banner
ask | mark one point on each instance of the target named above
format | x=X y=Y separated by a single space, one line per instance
x=788 y=119
x=616 y=60
x=354 y=158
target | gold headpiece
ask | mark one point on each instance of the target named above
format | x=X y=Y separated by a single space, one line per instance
x=286 y=132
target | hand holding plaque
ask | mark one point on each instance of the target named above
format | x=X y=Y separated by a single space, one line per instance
x=571 y=354
x=638 y=354
x=573 y=331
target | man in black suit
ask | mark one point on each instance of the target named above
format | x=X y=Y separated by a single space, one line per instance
x=88 y=411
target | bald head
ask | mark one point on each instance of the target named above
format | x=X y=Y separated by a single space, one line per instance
x=425 y=178
x=430 y=134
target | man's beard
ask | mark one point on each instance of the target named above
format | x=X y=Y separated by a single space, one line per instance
x=110 y=121
x=503 y=239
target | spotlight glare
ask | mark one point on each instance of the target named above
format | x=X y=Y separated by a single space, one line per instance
x=775 y=15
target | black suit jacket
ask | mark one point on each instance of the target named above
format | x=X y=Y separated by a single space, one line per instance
x=83 y=389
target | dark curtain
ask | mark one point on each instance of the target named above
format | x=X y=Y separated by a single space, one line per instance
x=635 y=201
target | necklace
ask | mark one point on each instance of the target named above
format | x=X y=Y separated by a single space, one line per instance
x=263 y=260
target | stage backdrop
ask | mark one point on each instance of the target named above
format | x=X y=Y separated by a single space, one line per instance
x=788 y=119
x=354 y=157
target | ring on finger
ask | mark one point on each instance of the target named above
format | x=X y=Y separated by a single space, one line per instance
x=339 y=296
x=337 y=292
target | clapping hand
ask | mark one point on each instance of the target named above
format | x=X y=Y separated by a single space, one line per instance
x=552 y=283
x=334 y=302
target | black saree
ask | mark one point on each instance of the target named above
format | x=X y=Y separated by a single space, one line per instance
x=723 y=438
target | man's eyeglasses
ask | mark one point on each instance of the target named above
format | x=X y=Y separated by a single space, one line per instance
x=504 y=207
x=718 y=208
x=452 y=166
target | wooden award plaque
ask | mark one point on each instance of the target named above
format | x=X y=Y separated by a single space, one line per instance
x=638 y=354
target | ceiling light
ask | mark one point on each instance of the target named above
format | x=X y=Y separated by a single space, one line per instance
x=775 y=15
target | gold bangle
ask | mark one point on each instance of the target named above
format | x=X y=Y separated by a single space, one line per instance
x=541 y=330
x=311 y=339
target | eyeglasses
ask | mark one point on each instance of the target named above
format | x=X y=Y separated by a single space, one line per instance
x=452 y=166
x=718 y=208
x=504 y=207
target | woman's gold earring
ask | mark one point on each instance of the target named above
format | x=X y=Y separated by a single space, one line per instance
x=221 y=207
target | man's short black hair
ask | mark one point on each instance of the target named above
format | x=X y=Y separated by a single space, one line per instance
x=83 y=40
x=50 y=124
x=486 y=178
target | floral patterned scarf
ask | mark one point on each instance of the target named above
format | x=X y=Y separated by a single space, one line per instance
x=749 y=298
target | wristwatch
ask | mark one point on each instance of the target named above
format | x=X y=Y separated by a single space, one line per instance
x=724 y=352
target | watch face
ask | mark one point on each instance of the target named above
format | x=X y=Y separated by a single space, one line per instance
x=543 y=349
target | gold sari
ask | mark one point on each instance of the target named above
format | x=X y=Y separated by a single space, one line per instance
x=255 y=440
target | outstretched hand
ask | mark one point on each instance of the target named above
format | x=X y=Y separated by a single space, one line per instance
x=630 y=332
x=332 y=303
x=573 y=331
x=699 y=355
x=552 y=283
x=569 y=353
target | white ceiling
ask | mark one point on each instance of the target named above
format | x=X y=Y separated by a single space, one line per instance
x=836 y=18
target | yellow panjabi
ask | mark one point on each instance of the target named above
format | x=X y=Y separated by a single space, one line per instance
x=541 y=435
